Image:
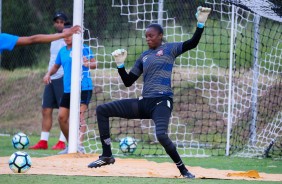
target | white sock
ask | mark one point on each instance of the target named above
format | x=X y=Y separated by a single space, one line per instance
x=62 y=137
x=44 y=136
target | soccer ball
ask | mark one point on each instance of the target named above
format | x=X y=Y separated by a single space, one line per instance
x=20 y=141
x=20 y=162
x=128 y=145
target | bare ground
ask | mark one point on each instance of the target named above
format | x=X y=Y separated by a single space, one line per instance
x=76 y=165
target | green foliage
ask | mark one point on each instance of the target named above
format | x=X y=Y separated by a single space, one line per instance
x=16 y=21
x=114 y=30
x=25 y=18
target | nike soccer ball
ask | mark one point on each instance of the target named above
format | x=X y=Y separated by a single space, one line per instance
x=20 y=162
x=20 y=141
x=128 y=145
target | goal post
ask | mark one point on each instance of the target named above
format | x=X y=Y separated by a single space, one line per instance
x=74 y=117
x=254 y=99
x=230 y=89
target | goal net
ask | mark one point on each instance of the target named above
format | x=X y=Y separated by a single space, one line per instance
x=227 y=91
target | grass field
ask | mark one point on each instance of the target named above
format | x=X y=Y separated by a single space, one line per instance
x=222 y=163
x=7 y=179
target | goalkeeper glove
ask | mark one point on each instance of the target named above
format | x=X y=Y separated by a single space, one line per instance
x=119 y=56
x=202 y=15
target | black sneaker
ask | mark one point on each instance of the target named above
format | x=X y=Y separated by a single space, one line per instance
x=102 y=161
x=187 y=174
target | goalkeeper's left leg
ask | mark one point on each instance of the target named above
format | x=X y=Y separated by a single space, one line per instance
x=161 y=116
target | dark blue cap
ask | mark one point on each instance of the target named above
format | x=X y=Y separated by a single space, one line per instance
x=60 y=15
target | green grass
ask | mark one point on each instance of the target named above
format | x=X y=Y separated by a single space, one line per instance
x=46 y=179
x=6 y=148
x=222 y=163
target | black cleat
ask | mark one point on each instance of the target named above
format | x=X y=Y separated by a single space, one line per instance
x=102 y=161
x=187 y=174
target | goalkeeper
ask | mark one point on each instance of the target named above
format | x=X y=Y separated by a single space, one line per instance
x=8 y=41
x=156 y=102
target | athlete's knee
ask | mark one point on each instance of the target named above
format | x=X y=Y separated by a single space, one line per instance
x=102 y=118
x=100 y=110
x=62 y=119
x=162 y=137
x=165 y=142
x=47 y=112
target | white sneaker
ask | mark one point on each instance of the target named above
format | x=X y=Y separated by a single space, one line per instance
x=80 y=149
x=65 y=151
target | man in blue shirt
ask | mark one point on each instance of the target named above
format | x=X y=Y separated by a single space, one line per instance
x=64 y=59
x=53 y=92
x=8 y=41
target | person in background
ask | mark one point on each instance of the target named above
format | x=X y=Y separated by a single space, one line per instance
x=54 y=90
x=64 y=59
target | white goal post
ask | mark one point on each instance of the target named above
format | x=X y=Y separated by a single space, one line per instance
x=76 y=79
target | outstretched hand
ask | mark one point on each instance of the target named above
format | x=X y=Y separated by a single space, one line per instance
x=202 y=14
x=73 y=30
x=119 y=56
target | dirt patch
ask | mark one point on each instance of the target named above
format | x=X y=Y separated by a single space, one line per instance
x=76 y=164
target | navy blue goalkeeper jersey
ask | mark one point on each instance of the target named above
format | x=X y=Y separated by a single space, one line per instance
x=156 y=66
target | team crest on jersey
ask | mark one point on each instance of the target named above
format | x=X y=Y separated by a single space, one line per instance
x=144 y=59
x=160 y=53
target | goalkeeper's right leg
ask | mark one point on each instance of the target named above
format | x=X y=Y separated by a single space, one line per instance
x=126 y=108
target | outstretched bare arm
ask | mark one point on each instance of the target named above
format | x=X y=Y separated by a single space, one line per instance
x=46 y=38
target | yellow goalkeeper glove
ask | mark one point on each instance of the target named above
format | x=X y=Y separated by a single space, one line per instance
x=119 y=56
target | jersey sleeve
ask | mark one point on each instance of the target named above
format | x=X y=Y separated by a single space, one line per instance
x=58 y=60
x=7 y=41
x=176 y=48
x=137 y=69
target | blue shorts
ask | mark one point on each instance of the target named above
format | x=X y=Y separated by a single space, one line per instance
x=84 y=99
x=53 y=93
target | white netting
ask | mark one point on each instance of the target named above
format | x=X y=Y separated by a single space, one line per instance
x=200 y=80
x=264 y=140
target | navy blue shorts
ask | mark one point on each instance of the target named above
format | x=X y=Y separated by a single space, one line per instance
x=53 y=93
x=84 y=99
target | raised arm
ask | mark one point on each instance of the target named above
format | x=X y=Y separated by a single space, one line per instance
x=201 y=15
x=193 y=42
x=127 y=79
x=46 y=38
x=119 y=56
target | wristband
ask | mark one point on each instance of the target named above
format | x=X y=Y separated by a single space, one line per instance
x=120 y=66
x=200 y=25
